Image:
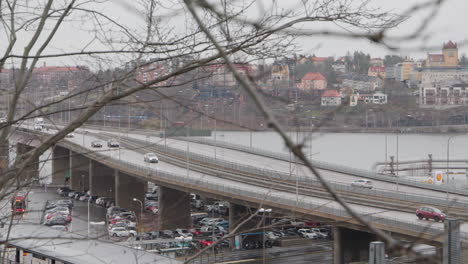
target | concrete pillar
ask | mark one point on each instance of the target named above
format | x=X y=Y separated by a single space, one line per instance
x=351 y=245
x=237 y=214
x=127 y=188
x=79 y=172
x=452 y=246
x=174 y=209
x=32 y=170
x=102 y=182
x=4 y=155
x=60 y=165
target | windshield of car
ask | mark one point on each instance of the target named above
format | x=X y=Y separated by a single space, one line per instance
x=151 y=155
x=437 y=210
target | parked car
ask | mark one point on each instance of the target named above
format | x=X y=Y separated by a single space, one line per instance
x=429 y=212
x=78 y=195
x=307 y=233
x=112 y=143
x=71 y=194
x=319 y=233
x=125 y=222
x=151 y=158
x=151 y=196
x=363 y=183
x=63 y=189
x=96 y=144
x=167 y=234
x=183 y=232
x=58 y=220
x=70 y=135
x=53 y=215
x=195 y=231
x=121 y=232
x=205 y=242
x=60 y=210
x=211 y=221
x=271 y=235
x=224 y=224
x=69 y=203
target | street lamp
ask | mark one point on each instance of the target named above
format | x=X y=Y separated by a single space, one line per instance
x=263 y=210
x=89 y=199
x=141 y=211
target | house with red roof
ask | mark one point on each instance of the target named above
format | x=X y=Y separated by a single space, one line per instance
x=313 y=81
x=53 y=76
x=448 y=58
x=330 y=98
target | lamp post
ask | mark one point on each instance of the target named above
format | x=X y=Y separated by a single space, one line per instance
x=89 y=199
x=141 y=211
x=263 y=210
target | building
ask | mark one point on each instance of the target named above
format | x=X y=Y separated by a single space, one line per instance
x=47 y=74
x=405 y=69
x=448 y=58
x=312 y=81
x=443 y=76
x=6 y=77
x=330 y=98
x=280 y=72
x=375 y=98
x=219 y=75
x=376 y=71
x=149 y=72
x=377 y=62
x=444 y=96
x=360 y=82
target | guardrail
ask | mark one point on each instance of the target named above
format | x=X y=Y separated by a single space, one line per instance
x=268 y=173
x=251 y=192
x=330 y=166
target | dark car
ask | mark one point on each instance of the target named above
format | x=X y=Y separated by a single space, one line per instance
x=112 y=143
x=61 y=190
x=96 y=144
x=429 y=212
x=167 y=234
x=78 y=195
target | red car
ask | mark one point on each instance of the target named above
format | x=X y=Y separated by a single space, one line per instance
x=195 y=232
x=49 y=216
x=429 y=212
x=205 y=243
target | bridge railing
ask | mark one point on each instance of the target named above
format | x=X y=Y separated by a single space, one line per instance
x=330 y=166
x=262 y=194
x=269 y=174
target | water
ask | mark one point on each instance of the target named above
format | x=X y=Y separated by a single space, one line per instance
x=358 y=150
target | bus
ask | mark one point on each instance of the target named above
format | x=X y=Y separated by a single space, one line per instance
x=18 y=204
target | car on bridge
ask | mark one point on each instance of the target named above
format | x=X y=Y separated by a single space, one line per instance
x=96 y=144
x=430 y=212
x=363 y=183
x=70 y=135
x=112 y=143
x=151 y=158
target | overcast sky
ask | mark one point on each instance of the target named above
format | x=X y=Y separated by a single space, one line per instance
x=449 y=24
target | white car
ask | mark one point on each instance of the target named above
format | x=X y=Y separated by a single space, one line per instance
x=183 y=232
x=38 y=127
x=363 y=183
x=151 y=158
x=121 y=232
x=319 y=233
x=210 y=221
x=3 y=120
x=307 y=233
x=70 y=135
x=59 y=210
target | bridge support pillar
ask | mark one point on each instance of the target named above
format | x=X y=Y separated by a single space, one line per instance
x=237 y=214
x=351 y=245
x=79 y=172
x=127 y=188
x=174 y=209
x=60 y=165
x=32 y=170
x=101 y=179
x=4 y=155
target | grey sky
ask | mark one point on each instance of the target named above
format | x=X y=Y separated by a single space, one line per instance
x=449 y=24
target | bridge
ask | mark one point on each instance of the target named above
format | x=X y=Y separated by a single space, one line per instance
x=247 y=178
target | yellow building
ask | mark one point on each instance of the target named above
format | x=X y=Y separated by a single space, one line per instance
x=448 y=58
x=280 y=72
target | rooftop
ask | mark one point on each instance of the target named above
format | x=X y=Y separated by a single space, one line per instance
x=313 y=76
x=331 y=93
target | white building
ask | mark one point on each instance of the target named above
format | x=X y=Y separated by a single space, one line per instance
x=444 y=96
x=331 y=98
